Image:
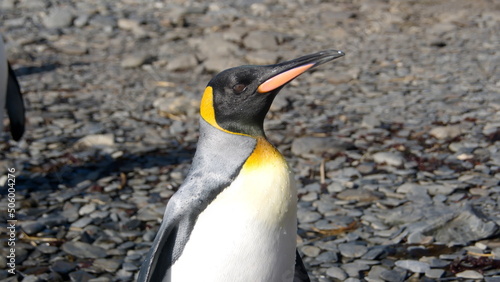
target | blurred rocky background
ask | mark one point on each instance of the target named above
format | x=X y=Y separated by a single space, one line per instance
x=396 y=146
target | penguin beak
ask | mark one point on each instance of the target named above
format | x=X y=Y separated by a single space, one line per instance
x=285 y=72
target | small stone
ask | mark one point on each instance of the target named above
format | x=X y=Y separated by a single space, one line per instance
x=336 y=272
x=86 y=209
x=329 y=257
x=359 y=195
x=134 y=60
x=58 y=18
x=395 y=275
x=311 y=251
x=413 y=265
x=109 y=265
x=31 y=278
x=375 y=272
x=81 y=20
x=96 y=141
x=31 y=228
x=352 y=250
x=83 y=250
x=80 y=275
x=82 y=222
x=470 y=274
x=446 y=132
x=307 y=216
x=374 y=253
x=392 y=159
x=309 y=197
x=353 y=269
x=62 y=267
x=434 y=273
x=47 y=249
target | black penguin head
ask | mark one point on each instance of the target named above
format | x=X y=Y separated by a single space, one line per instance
x=238 y=99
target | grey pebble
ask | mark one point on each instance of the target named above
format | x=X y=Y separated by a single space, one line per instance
x=307 y=216
x=413 y=265
x=393 y=159
x=83 y=250
x=395 y=275
x=310 y=251
x=352 y=250
x=134 y=60
x=62 y=267
x=31 y=228
x=434 y=273
x=470 y=274
x=354 y=269
x=80 y=275
x=336 y=272
x=58 y=17
x=109 y=265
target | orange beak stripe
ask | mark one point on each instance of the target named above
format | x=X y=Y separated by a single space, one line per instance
x=282 y=78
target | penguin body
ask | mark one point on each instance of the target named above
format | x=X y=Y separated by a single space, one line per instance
x=229 y=227
x=10 y=97
x=235 y=216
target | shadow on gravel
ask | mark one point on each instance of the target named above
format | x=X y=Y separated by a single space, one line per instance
x=21 y=71
x=71 y=171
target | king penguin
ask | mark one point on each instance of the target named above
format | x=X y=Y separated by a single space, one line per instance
x=10 y=97
x=235 y=216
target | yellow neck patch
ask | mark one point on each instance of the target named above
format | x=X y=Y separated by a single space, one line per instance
x=264 y=155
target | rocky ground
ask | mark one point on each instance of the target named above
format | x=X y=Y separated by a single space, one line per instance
x=396 y=146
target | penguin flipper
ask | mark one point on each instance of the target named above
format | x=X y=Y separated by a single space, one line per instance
x=300 y=274
x=15 y=106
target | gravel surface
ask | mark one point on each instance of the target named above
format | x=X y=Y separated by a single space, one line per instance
x=396 y=146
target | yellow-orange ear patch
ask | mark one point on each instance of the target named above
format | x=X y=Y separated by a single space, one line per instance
x=207 y=110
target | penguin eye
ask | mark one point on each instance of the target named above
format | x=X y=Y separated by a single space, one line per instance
x=238 y=88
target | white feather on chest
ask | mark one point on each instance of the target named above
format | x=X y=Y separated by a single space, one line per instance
x=248 y=232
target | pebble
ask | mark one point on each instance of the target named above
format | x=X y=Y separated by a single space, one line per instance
x=470 y=274
x=445 y=132
x=389 y=158
x=62 y=267
x=31 y=228
x=352 y=250
x=434 y=273
x=311 y=251
x=134 y=60
x=413 y=265
x=336 y=272
x=83 y=250
x=396 y=275
x=58 y=17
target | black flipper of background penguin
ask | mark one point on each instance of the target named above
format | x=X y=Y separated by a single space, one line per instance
x=300 y=274
x=15 y=106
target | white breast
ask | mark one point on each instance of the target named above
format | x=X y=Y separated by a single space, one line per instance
x=248 y=233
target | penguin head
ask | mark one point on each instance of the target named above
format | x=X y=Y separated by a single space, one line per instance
x=238 y=99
